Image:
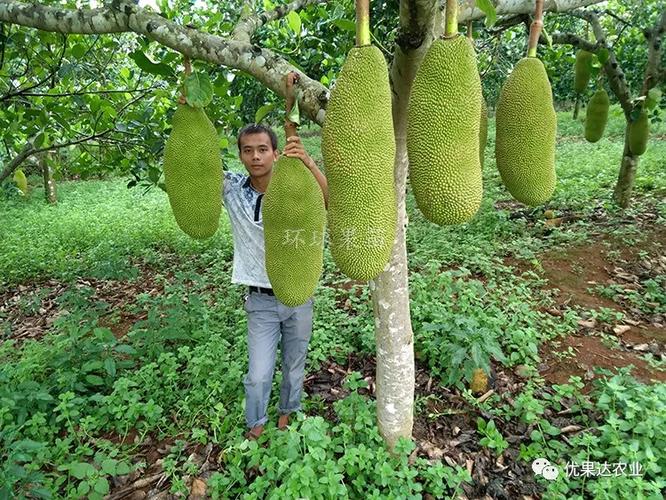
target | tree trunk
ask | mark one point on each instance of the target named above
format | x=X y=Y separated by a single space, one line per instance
x=390 y=290
x=576 y=107
x=49 y=182
x=625 y=179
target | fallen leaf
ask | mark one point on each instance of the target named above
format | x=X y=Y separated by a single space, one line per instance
x=620 y=329
x=591 y=323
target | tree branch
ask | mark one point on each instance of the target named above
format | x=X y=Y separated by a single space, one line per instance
x=70 y=94
x=30 y=150
x=48 y=77
x=263 y=64
x=248 y=25
x=571 y=39
x=653 y=73
x=469 y=11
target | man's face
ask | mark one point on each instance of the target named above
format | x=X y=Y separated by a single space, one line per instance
x=257 y=154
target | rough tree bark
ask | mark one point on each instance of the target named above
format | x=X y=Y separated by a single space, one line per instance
x=420 y=20
x=618 y=85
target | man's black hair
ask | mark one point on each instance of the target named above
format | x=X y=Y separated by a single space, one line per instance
x=257 y=128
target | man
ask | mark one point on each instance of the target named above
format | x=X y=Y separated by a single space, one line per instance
x=268 y=319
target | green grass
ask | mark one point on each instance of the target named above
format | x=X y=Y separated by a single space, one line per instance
x=178 y=371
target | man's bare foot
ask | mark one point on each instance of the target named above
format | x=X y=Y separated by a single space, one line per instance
x=283 y=421
x=254 y=433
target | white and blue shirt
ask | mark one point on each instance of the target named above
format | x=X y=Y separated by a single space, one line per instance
x=243 y=204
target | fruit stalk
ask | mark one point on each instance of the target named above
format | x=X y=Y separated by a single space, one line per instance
x=535 y=29
x=187 y=72
x=289 y=126
x=451 y=19
x=362 y=23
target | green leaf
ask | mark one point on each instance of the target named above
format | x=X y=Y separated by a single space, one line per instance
x=109 y=466
x=263 y=111
x=104 y=335
x=122 y=468
x=345 y=25
x=125 y=349
x=294 y=114
x=294 y=22
x=547 y=36
x=602 y=55
x=487 y=7
x=78 y=51
x=149 y=66
x=653 y=98
x=84 y=488
x=94 y=380
x=91 y=366
x=198 y=90
x=39 y=140
x=102 y=486
x=79 y=469
x=110 y=366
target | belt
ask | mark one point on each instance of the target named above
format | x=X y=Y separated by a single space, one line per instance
x=258 y=289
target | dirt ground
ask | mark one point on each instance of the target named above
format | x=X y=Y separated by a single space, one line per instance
x=576 y=276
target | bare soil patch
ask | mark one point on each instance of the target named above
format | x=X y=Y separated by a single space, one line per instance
x=579 y=355
x=579 y=275
x=28 y=311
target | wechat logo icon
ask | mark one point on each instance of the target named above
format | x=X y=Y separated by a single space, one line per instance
x=543 y=467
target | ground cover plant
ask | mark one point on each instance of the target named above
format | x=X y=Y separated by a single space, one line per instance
x=123 y=348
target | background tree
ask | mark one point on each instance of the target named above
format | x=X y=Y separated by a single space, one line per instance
x=250 y=45
x=629 y=92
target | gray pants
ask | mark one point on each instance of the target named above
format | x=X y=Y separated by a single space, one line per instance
x=268 y=320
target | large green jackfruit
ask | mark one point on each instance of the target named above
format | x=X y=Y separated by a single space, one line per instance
x=483 y=130
x=21 y=181
x=639 y=131
x=294 y=218
x=582 y=70
x=193 y=172
x=526 y=125
x=597 y=116
x=358 y=147
x=443 y=133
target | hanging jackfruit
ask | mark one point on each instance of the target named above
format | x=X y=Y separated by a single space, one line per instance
x=443 y=133
x=483 y=131
x=639 y=131
x=193 y=172
x=597 y=116
x=21 y=181
x=526 y=125
x=582 y=70
x=294 y=218
x=358 y=147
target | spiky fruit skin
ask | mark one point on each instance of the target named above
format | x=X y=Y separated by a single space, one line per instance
x=639 y=131
x=483 y=130
x=526 y=125
x=193 y=172
x=597 y=116
x=358 y=147
x=294 y=218
x=21 y=181
x=582 y=70
x=443 y=133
